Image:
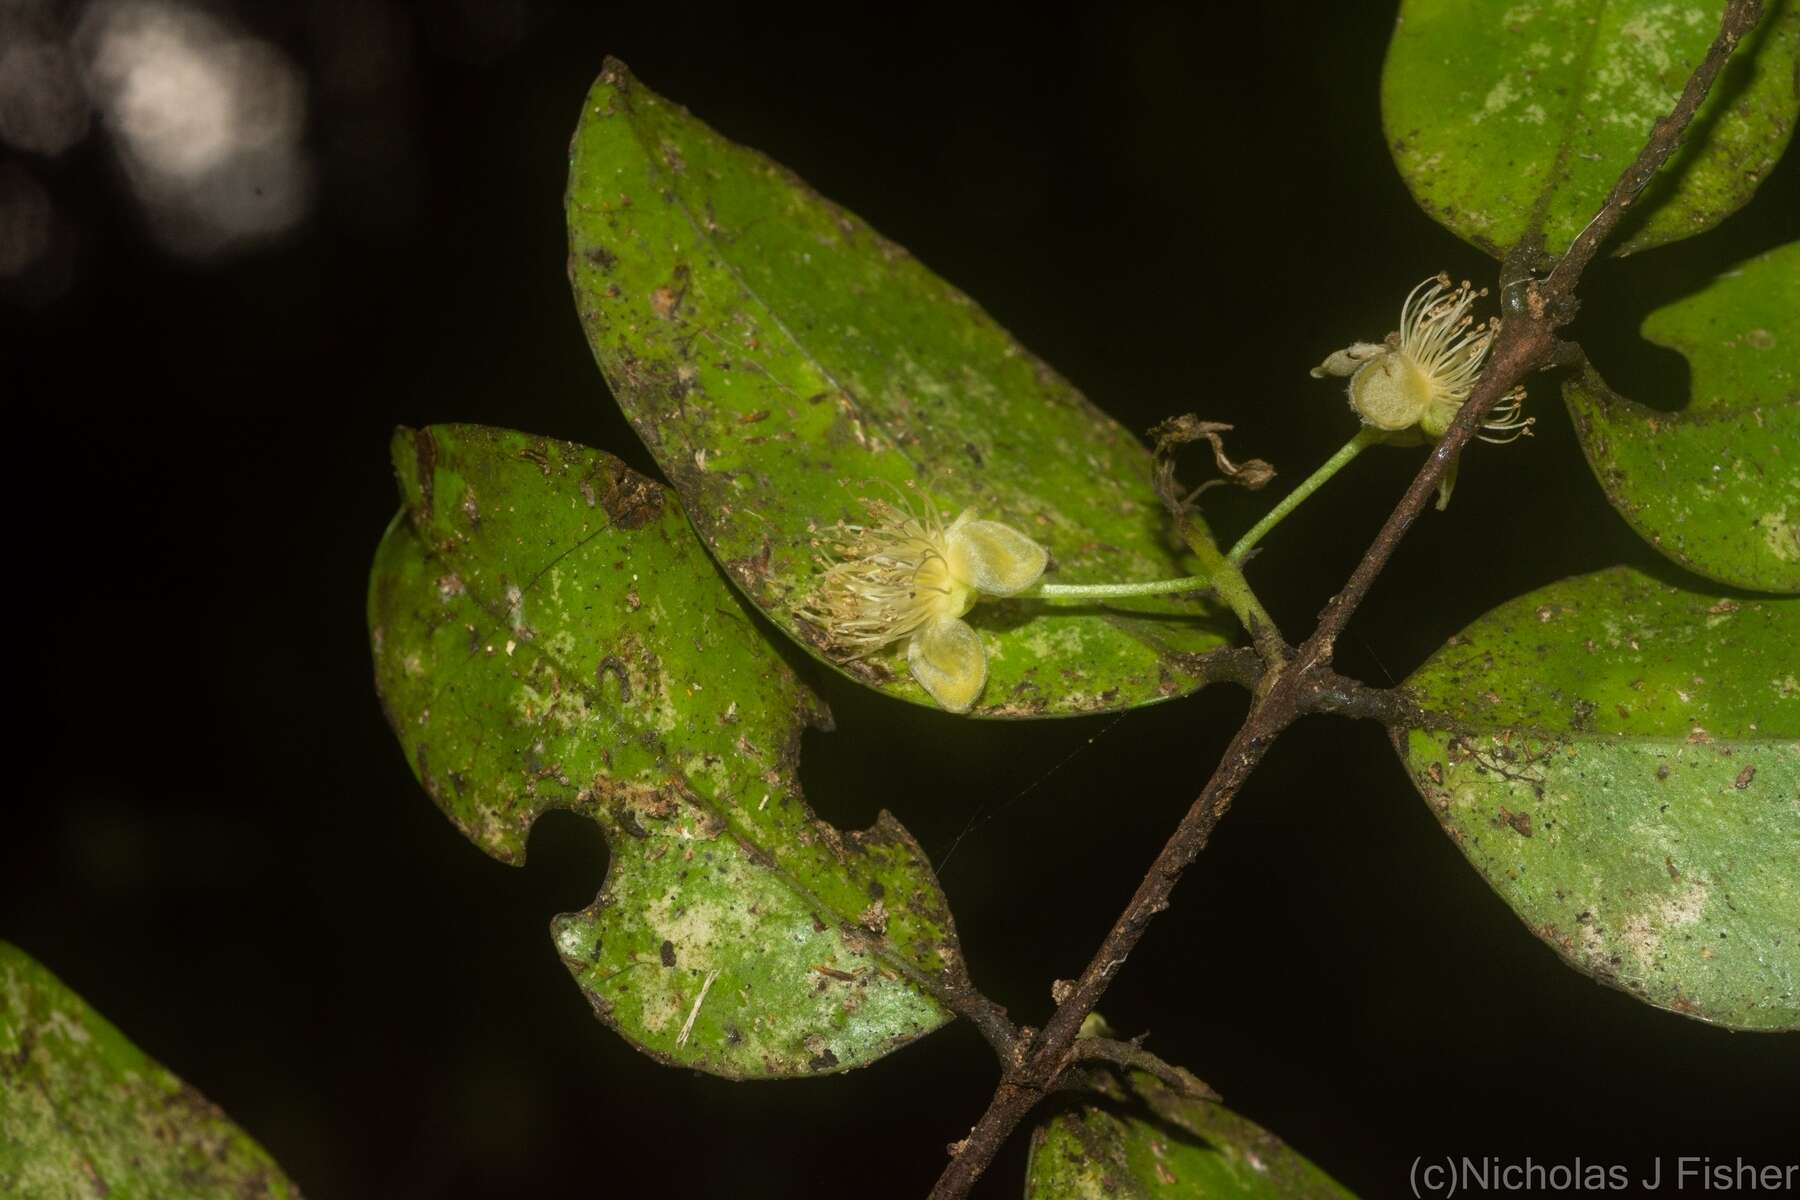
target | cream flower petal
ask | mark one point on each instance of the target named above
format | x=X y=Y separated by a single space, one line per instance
x=947 y=659
x=994 y=559
x=1344 y=362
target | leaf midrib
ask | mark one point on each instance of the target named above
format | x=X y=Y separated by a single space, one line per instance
x=759 y=854
x=1559 y=166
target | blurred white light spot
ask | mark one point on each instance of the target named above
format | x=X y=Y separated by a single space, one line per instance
x=25 y=219
x=43 y=107
x=170 y=103
x=207 y=122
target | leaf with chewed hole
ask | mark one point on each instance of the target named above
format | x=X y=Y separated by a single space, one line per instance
x=1133 y=1137
x=548 y=633
x=1620 y=759
x=83 y=1112
x=785 y=363
x=1494 y=108
x=1716 y=486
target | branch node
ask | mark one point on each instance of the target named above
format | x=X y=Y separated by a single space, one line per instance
x=1134 y=1057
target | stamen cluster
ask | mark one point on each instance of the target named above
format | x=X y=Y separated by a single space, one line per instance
x=1412 y=384
x=884 y=580
x=908 y=576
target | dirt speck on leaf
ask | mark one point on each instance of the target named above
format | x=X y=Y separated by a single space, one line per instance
x=425 y=454
x=631 y=500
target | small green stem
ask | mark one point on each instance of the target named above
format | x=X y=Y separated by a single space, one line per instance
x=1108 y=591
x=1221 y=570
x=1217 y=573
x=1223 y=577
x=1365 y=437
x=1231 y=586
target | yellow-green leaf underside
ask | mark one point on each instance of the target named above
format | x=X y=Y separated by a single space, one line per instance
x=1619 y=756
x=1716 y=486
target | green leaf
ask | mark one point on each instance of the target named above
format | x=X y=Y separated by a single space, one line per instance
x=784 y=362
x=83 y=1112
x=1493 y=107
x=1716 y=486
x=1620 y=759
x=1134 y=1137
x=549 y=634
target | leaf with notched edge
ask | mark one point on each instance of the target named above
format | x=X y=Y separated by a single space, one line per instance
x=548 y=633
x=1716 y=486
x=1620 y=759
x=1133 y=1138
x=1495 y=107
x=83 y=1112
x=784 y=363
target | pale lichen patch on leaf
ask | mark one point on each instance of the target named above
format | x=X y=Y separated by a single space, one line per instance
x=1498 y=97
x=1645 y=933
x=1781 y=534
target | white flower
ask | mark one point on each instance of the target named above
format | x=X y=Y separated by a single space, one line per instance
x=1412 y=384
x=1421 y=375
x=907 y=576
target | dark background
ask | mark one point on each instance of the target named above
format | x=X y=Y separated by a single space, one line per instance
x=213 y=837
